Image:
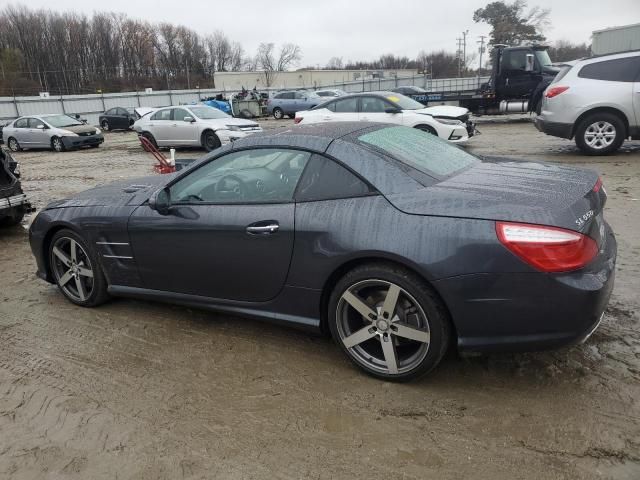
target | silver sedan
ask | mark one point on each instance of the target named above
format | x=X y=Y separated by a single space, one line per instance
x=55 y=131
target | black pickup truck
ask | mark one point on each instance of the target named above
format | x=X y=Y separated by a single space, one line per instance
x=13 y=202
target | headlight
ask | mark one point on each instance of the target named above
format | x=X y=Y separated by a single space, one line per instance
x=233 y=128
x=67 y=133
x=449 y=121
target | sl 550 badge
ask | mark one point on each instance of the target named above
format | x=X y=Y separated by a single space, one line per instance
x=580 y=221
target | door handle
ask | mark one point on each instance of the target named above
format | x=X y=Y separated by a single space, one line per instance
x=263 y=229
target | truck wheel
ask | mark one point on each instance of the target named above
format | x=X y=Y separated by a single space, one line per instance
x=278 y=114
x=600 y=134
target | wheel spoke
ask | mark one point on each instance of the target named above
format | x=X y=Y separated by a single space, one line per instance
x=411 y=333
x=361 y=307
x=389 y=352
x=74 y=252
x=80 y=287
x=61 y=256
x=85 y=272
x=358 y=337
x=64 y=279
x=390 y=301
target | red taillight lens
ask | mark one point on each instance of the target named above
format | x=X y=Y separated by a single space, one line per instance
x=555 y=91
x=598 y=185
x=549 y=249
x=297 y=120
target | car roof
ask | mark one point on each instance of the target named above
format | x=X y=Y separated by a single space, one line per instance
x=312 y=136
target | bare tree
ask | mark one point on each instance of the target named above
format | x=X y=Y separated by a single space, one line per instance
x=335 y=63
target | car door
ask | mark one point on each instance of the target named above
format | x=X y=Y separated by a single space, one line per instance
x=23 y=132
x=185 y=133
x=38 y=133
x=345 y=110
x=372 y=109
x=121 y=119
x=636 y=99
x=518 y=82
x=160 y=126
x=229 y=231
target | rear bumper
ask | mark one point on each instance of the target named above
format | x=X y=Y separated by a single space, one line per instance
x=513 y=312
x=82 y=141
x=555 y=129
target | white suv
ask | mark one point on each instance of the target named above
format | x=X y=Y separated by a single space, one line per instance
x=596 y=101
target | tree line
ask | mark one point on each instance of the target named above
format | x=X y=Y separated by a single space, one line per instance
x=63 y=53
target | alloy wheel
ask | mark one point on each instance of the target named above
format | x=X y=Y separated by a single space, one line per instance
x=72 y=269
x=383 y=327
x=600 y=135
x=57 y=144
x=13 y=145
x=105 y=125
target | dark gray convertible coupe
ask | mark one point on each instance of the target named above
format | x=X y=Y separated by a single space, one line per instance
x=391 y=240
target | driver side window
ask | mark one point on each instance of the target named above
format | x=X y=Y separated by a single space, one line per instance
x=248 y=176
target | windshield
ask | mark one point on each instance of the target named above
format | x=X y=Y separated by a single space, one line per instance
x=420 y=150
x=61 y=121
x=543 y=58
x=404 y=103
x=208 y=113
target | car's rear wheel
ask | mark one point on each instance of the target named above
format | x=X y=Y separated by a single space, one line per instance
x=13 y=144
x=210 y=141
x=104 y=125
x=600 y=134
x=57 y=144
x=428 y=129
x=151 y=139
x=278 y=113
x=388 y=322
x=76 y=270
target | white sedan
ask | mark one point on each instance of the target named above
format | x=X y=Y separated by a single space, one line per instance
x=447 y=122
x=193 y=126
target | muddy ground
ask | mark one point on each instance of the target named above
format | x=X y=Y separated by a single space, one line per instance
x=144 y=390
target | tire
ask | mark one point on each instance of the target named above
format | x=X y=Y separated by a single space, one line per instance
x=104 y=125
x=13 y=144
x=418 y=312
x=210 y=141
x=428 y=129
x=600 y=134
x=81 y=280
x=278 y=113
x=151 y=138
x=57 y=144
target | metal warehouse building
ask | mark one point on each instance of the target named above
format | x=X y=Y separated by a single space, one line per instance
x=616 y=39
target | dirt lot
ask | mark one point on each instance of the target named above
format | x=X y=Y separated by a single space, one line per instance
x=142 y=390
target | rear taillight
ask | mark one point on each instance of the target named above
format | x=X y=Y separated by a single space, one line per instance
x=549 y=249
x=555 y=91
x=598 y=185
x=297 y=120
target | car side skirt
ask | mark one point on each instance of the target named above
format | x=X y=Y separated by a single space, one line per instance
x=279 y=310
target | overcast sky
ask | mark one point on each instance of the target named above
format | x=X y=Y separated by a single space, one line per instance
x=354 y=29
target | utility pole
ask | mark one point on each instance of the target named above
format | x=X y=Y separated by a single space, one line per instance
x=481 y=42
x=459 y=55
x=464 y=49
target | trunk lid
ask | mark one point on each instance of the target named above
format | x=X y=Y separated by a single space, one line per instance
x=514 y=191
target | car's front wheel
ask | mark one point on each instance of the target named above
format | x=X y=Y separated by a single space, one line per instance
x=389 y=322
x=428 y=129
x=13 y=144
x=600 y=134
x=278 y=113
x=57 y=144
x=210 y=141
x=76 y=270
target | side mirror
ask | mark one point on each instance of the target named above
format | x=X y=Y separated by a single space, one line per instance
x=40 y=126
x=189 y=119
x=160 y=201
x=529 y=62
x=392 y=110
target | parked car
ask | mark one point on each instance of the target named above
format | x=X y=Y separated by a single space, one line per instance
x=596 y=102
x=56 y=131
x=333 y=92
x=419 y=94
x=2 y=125
x=13 y=202
x=288 y=103
x=193 y=126
x=118 y=118
x=447 y=122
x=395 y=242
